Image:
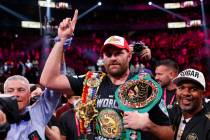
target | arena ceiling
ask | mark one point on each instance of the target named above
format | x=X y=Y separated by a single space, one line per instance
x=112 y=15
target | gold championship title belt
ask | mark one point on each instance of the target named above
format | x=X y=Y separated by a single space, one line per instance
x=109 y=124
x=85 y=109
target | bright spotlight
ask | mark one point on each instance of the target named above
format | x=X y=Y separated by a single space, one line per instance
x=150 y=3
x=99 y=3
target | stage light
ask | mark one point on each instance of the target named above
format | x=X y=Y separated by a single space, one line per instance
x=169 y=12
x=176 y=5
x=195 y=23
x=190 y=23
x=46 y=4
x=99 y=3
x=62 y=5
x=58 y=5
x=12 y=12
x=90 y=9
x=172 y=5
x=188 y=4
x=30 y=24
x=16 y=35
x=176 y=25
x=150 y=3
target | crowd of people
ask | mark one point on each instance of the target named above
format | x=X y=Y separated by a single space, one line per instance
x=187 y=49
x=178 y=46
x=116 y=103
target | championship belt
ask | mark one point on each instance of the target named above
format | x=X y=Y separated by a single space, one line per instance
x=141 y=94
x=109 y=124
x=85 y=109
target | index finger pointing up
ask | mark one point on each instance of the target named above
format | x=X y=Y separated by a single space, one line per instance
x=74 y=20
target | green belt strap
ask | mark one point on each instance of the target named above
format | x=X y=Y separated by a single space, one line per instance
x=127 y=103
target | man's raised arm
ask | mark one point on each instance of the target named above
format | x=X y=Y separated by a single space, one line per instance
x=51 y=76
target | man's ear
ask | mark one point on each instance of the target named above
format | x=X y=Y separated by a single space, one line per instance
x=203 y=94
x=102 y=56
x=130 y=56
x=172 y=74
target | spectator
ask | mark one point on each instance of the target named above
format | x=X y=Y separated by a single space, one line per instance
x=68 y=122
x=67 y=106
x=166 y=70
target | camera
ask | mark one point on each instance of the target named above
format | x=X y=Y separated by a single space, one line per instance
x=138 y=47
x=8 y=104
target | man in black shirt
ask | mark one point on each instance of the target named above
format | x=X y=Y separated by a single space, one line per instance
x=68 y=125
x=165 y=71
x=98 y=89
x=68 y=122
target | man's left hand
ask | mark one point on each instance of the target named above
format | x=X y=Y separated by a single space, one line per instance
x=135 y=120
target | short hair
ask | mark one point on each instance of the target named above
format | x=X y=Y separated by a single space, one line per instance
x=169 y=63
x=16 y=77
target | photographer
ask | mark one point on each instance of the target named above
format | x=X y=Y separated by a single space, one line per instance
x=8 y=113
x=33 y=119
x=141 y=56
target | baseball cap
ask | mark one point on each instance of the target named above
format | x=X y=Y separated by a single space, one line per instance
x=191 y=75
x=116 y=41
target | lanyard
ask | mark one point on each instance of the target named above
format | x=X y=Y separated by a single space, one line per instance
x=164 y=96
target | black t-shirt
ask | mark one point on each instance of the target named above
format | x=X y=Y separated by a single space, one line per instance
x=106 y=99
x=198 y=128
x=170 y=96
x=170 y=100
x=52 y=122
x=67 y=125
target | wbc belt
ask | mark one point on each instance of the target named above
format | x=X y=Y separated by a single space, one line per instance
x=109 y=124
x=141 y=94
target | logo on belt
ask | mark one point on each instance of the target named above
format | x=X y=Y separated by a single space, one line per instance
x=109 y=123
x=137 y=93
x=141 y=94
